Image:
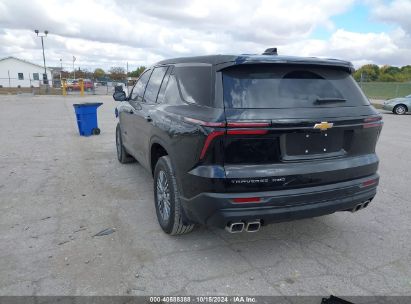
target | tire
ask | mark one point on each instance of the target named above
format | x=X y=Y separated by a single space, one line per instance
x=122 y=155
x=166 y=190
x=95 y=131
x=400 y=109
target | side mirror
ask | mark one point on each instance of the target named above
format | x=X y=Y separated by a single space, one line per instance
x=119 y=96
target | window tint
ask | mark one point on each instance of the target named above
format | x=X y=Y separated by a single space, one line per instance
x=194 y=83
x=289 y=87
x=154 y=83
x=138 y=90
x=36 y=76
x=20 y=75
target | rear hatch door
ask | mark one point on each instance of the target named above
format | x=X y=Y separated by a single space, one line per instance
x=282 y=115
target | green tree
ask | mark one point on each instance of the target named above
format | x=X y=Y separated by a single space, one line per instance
x=98 y=73
x=137 y=72
x=368 y=72
x=389 y=73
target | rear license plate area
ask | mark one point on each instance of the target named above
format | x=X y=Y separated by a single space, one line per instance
x=314 y=143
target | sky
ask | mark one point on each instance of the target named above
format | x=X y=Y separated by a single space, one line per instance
x=109 y=33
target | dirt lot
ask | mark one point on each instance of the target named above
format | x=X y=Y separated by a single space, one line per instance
x=58 y=189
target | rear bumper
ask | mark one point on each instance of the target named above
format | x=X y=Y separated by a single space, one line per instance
x=217 y=209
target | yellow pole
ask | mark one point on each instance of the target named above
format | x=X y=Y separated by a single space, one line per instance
x=81 y=87
x=64 y=87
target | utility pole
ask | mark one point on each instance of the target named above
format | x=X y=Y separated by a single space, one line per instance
x=61 y=68
x=127 y=78
x=74 y=71
x=45 y=80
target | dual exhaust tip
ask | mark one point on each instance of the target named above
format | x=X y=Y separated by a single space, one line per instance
x=360 y=206
x=238 y=227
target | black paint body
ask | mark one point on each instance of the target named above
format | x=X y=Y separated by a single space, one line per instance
x=274 y=166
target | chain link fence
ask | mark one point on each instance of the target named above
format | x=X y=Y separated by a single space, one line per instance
x=11 y=85
x=385 y=90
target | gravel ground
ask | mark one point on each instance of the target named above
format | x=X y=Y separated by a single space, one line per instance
x=58 y=189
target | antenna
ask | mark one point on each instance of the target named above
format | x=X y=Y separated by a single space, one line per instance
x=270 y=51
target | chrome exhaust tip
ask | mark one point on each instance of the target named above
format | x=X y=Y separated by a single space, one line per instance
x=235 y=227
x=360 y=206
x=253 y=226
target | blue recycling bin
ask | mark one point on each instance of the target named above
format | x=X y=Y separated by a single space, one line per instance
x=86 y=115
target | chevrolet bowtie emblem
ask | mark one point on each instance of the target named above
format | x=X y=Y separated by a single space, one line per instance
x=323 y=125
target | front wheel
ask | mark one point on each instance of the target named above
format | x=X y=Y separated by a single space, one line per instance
x=400 y=109
x=167 y=199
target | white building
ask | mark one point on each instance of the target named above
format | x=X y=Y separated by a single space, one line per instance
x=16 y=72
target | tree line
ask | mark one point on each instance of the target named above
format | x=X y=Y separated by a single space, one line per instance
x=366 y=73
x=386 y=73
x=114 y=73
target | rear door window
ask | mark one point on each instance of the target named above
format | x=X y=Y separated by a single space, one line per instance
x=274 y=86
x=154 y=84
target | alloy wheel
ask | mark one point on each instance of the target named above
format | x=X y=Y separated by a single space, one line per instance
x=163 y=196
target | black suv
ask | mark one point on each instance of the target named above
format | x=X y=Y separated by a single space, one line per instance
x=243 y=141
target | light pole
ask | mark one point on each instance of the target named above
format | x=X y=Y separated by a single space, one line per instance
x=61 y=68
x=45 y=80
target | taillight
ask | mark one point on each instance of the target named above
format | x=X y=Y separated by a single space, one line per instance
x=372 y=118
x=205 y=123
x=247 y=132
x=372 y=122
x=250 y=125
x=245 y=124
x=208 y=141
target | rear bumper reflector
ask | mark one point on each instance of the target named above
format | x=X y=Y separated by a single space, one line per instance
x=243 y=200
x=368 y=183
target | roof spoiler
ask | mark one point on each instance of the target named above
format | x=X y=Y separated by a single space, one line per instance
x=270 y=51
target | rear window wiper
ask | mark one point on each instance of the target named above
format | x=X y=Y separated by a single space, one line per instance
x=329 y=99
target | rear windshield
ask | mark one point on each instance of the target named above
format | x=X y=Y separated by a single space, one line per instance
x=274 y=86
